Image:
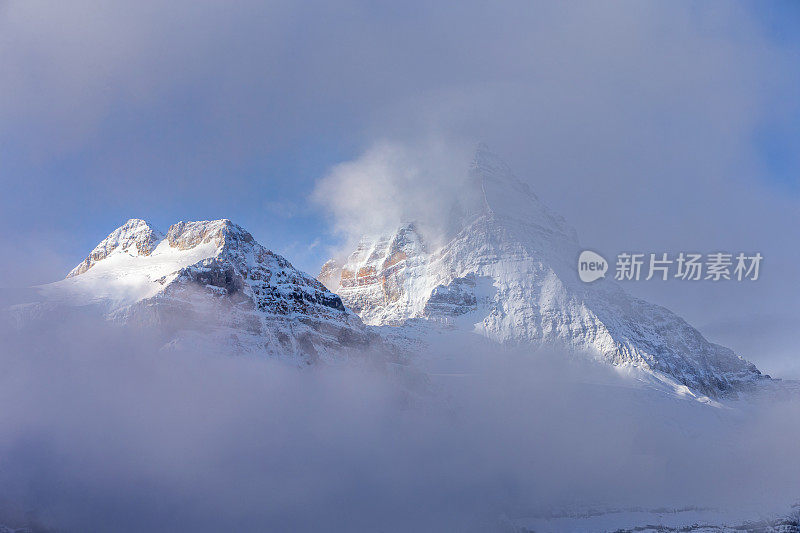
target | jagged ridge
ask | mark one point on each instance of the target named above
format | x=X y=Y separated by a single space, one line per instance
x=209 y=283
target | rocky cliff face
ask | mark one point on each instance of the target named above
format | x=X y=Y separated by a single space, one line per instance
x=380 y=277
x=210 y=284
x=509 y=273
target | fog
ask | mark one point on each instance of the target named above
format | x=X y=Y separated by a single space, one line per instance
x=101 y=430
x=392 y=183
x=653 y=127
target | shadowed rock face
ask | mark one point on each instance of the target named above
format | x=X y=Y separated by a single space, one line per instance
x=507 y=271
x=454 y=299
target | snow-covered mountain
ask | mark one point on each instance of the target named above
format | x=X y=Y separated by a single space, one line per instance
x=208 y=284
x=508 y=272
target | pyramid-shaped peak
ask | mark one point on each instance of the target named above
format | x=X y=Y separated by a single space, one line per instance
x=135 y=232
x=485 y=158
x=135 y=237
x=491 y=171
x=504 y=196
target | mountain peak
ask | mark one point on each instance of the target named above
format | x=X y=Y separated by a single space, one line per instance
x=508 y=274
x=490 y=165
x=222 y=232
x=504 y=196
x=237 y=293
x=135 y=237
x=138 y=238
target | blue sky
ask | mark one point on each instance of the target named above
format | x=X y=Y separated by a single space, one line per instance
x=674 y=124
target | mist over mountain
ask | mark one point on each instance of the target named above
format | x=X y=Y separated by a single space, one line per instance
x=462 y=378
x=262 y=272
x=505 y=266
x=103 y=430
x=499 y=264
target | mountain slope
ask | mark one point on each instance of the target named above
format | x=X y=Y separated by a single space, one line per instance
x=508 y=273
x=210 y=284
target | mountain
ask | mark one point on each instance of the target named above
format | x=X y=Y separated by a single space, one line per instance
x=507 y=271
x=210 y=284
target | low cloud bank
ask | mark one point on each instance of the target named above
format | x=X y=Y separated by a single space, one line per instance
x=99 y=431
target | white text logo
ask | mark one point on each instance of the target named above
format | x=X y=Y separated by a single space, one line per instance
x=591 y=266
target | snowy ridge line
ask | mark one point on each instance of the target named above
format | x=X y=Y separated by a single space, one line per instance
x=210 y=284
x=507 y=272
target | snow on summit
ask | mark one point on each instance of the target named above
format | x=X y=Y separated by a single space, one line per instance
x=210 y=282
x=131 y=264
x=507 y=272
x=135 y=237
